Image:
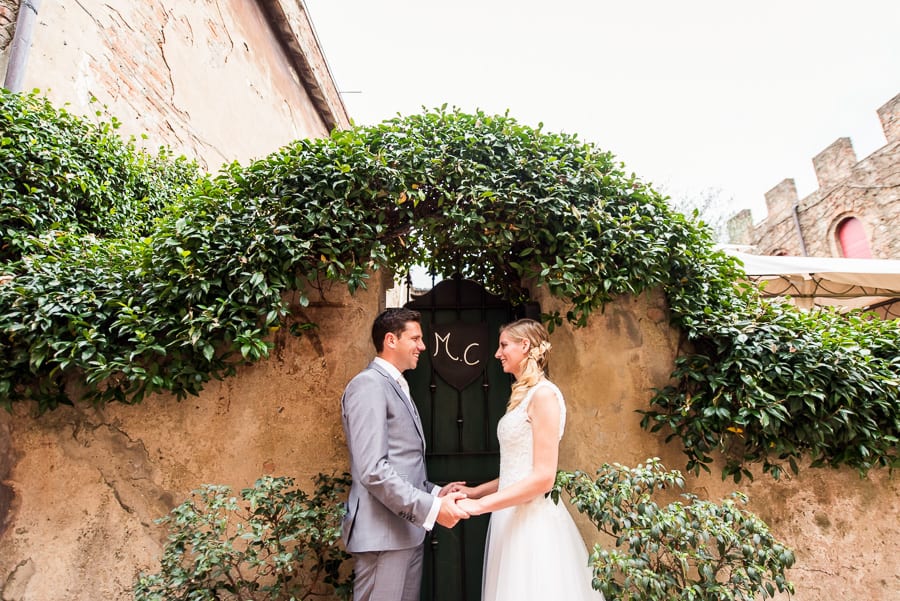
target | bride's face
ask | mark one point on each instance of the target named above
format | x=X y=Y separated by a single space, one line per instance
x=511 y=353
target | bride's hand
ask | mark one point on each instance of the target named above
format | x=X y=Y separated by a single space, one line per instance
x=458 y=486
x=470 y=506
x=467 y=490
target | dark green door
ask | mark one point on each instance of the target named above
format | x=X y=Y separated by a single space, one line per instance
x=461 y=392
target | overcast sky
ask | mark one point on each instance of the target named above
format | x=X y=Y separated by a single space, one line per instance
x=691 y=95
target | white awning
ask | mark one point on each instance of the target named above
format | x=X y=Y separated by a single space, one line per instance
x=819 y=281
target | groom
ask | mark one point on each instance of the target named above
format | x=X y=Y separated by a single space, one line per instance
x=391 y=502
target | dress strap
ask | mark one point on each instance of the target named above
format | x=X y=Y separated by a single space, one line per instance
x=559 y=397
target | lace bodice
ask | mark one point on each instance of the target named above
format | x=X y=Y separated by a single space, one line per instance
x=516 y=440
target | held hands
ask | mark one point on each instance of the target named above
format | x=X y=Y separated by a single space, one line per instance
x=453 y=487
x=457 y=503
x=450 y=512
x=469 y=491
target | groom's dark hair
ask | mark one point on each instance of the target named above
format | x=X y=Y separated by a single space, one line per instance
x=392 y=320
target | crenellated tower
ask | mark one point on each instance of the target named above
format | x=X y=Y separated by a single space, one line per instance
x=852 y=213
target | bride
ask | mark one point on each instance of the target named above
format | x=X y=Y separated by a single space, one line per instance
x=534 y=550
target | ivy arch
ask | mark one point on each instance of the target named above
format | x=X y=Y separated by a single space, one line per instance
x=186 y=283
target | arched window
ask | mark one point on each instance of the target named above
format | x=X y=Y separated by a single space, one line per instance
x=851 y=237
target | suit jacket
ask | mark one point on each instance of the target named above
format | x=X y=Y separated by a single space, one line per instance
x=389 y=498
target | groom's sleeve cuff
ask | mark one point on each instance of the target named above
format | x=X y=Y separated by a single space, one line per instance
x=431 y=518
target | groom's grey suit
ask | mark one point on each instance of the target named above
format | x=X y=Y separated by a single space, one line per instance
x=390 y=497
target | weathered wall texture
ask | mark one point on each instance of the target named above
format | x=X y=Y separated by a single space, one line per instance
x=89 y=481
x=841 y=527
x=216 y=80
x=8 y=10
x=213 y=79
x=868 y=190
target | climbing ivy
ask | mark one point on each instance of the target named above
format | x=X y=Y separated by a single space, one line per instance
x=150 y=277
x=61 y=173
x=780 y=386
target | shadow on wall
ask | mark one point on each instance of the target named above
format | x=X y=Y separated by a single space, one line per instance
x=6 y=492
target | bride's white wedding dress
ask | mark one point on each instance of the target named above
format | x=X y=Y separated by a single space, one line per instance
x=534 y=551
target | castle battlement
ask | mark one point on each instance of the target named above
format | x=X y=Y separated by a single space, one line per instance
x=868 y=189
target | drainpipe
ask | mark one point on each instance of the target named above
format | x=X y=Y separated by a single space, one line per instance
x=799 y=231
x=21 y=44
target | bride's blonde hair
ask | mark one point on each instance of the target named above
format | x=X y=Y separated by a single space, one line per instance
x=534 y=365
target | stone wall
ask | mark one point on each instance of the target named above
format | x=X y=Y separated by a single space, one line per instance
x=868 y=190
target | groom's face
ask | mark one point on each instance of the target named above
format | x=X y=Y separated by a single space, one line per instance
x=406 y=347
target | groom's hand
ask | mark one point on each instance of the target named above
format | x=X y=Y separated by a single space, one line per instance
x=450 y=513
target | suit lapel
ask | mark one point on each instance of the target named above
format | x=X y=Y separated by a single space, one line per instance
x=407 y=403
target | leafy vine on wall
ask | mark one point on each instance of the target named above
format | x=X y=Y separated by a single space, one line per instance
x=132 y=273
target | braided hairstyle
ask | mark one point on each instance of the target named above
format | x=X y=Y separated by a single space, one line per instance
x=535 y=362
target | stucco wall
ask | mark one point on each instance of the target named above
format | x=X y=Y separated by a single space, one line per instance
x=841 y=527
x=216 y=80
x=209 y=78
x=89 y=481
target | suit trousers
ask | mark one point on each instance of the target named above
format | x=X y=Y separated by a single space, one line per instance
x=388 y=575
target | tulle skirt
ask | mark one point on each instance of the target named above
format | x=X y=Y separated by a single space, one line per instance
x=535 y=552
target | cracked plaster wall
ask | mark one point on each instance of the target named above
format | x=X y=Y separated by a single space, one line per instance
x=206 y=77
x=80 y=487
x=8 y=10
x=90 y=481
x=841 y=527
